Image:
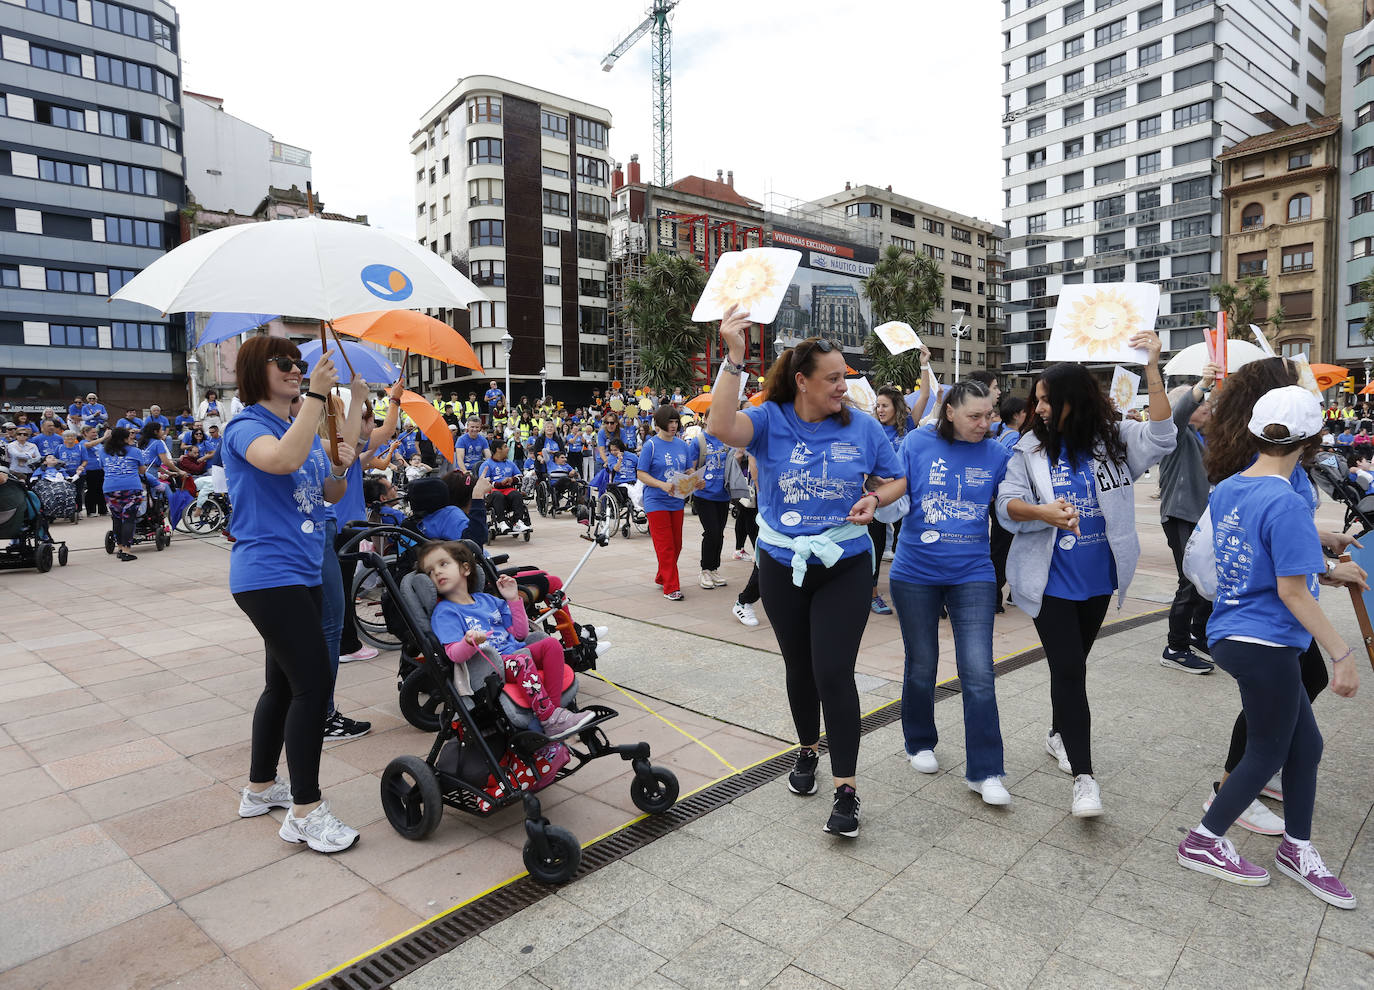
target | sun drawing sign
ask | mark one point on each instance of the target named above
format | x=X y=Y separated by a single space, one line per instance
x=1096 y=322
x=756 y=280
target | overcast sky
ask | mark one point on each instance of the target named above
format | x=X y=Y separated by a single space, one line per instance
x=796 y=97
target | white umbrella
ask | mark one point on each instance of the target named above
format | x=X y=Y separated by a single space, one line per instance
x=1190 y=360
x=307 y=267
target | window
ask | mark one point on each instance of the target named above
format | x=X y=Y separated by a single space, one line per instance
x=1109 y=67
x=1300 y=207
x=1073 y=181
x=486 y=192
x=1073 y=47
x=1035 y=224
x=133 y=75
x=1149 y=90
x=484 y=110
x=1109 y=103
x=590 y=207
x=902 y=217
x=1184 y=6
x=1192 y=227
x=552 y=276
x=64 y=172
x=1193 y=113
x=1193 y=151
x=1036 y=158
x=448 y=205
x=1035 y=61
x=595 y=287
x=1110 y=172
x=1149 y=54
x=1073 y=80
x=1363 y=203
x=1296 y=305
x=1297 y=258
x=553 y=125
x=1252 y=216
x=1115 y=241
x=139 y=336
x=591 y=319
x=119 y=277
x=1147 y=163
x=1150 y=16
x=1073 y=12
x=592 y=171
x=904 y=243
x=557 y=173
x=1034 y=128
x=1072 y=215
x=1035 y=28
x=1192 y=264
x=1034 y=94
x=134 y=23
x=140 y=233
x=591 y=133
x=551 y=237
x=1109 y=138
x=66 y=9
x=1112 y=206
x=1147 y=235
x=67 y=281
x=1364 y=115
x=67 y=335
x=553 y=316
x=1364 y=158
x=1114 y=273
x=1108 y=33
x=555 y=203
x=960 y=283
x=487 y=272
x=486 y=233
x=1300 y=159
x=1192 y=75
x=594 y=358
x=55 y=61
x=68 y=119
x=484 y=151
x=1147 y=271
x=1035 y=191
x=1147 y=127
x=962 y=260
x=1192 y=38
x=933 y=227
x=1198 y=188
x=488 y=314
x=592 y=245
x=1073 y=114
x=1147 y=199
x=863 y=210
x=1074 y=148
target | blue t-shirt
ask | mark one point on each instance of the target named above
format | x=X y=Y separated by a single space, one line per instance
x=210 y=445
x=951 y=484
x=72 y=457
x=493 y=396
x=353 y=507
x=132 y=425
x=487 y=613
x=410 y=444
x=74 y=409
x=549 y=447
x=448 y=523
x=153 y=450
x=659 y=458
x=50 y=474
x=472 y=449
x=278 y=518
x=627 y=468
x=1261 y=529
x=890 y=432
x=811 y=474
x=714 y=476
x=1082 y=566
x=93 y=414
x=121 y=470
x=574 y=443
x=159 y=419
x=1008 y=439
x=498 y=471
x=48 y=443
x=183 y=420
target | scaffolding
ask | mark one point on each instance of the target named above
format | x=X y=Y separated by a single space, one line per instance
x=627 y=262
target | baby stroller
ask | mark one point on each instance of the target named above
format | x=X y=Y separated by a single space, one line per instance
x=488 y=752
x=25 y=526
x=57 y=498
x=1329 y=473
x=154 y=521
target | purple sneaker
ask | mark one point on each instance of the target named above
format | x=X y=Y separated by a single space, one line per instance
x=1304 y=864
x=1219 y=858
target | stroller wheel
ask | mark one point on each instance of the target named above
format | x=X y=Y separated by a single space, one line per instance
x=44 y=561
x=110 y=543
x=654 y=791
x=563 y=857
x=411 y=797
x=419 y=705
x=160 y=540
x=62 y=555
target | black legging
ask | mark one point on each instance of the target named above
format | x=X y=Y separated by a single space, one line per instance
x=95 y=495
x=746 y=524
x=713 y=515
x=818 y=627
x=1312 y=669
x=296 y=695
x=1067 y=630
x=1000 y=546
x=508 y=507
x=349 y=641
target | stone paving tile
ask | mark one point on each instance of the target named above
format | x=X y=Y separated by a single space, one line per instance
x=1194 y=971
x=55 y=860
x=926 y=975
x=909 y=912
x=111 y=761
x=1065 y=971
x=1155 y=905
x=1121 y=947
x=1337 y=966
x=987 y=843
x=1252 y=944
x=668 y=922
x=541 y=929
x=793 y=978
x=602 y=958
x=785 y=918
x=989 y=953
x=457 y=968
x=838 y=880
x=957 y=878
x=1029 y=910
x=724 y=958
x=854 y=956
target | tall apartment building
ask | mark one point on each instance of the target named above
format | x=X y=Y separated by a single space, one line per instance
x=230 y=163
x=1355 y=236
x=512 y=185
x=91 y=178
x=968 y=251
x=1114 y=112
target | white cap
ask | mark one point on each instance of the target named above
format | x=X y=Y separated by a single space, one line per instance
x=1292 y=407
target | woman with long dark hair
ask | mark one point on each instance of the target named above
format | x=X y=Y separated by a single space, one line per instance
x=1069 y=501
x=123 y=465
x=815 y=555
x=890 y=410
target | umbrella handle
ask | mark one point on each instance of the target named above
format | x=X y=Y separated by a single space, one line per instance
x=331 y=429
x=342 y=353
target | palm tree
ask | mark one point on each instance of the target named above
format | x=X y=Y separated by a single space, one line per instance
x=658 y=304
x=1240 y=301
x=1367 y=297
x=905 y=287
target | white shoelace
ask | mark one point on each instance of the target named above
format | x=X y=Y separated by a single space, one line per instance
x=1310 y=862
x=323 y=824
x=1228 y=850
x=1082 y=789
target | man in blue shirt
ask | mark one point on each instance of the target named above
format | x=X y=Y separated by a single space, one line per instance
x=493 y=397
x=472 y=446
x=155 y=416
x=48 y=440
x=93 y=413
x=131 y=421
x=209 y=447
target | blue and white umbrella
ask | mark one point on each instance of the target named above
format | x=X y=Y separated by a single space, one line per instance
x=222 y=326
x=372 y=365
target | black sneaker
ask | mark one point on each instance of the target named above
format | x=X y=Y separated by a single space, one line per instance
x=1200 y=646
x=1186 y=661
x=802 y=779
x=340 y=726
x=844 y=820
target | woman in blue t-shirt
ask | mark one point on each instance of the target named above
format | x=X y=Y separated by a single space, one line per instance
x=712 y=503
x=123 y=465
x=814 y=552
x=279 y=480
x=663 y=458
x=952 y=469
x=1268 y=557
x=1069 y=501
x=890 y=412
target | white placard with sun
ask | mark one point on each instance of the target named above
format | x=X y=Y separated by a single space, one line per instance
x=1094 y=322
x=755 y=280
x=897 y=337
x=1125 y=387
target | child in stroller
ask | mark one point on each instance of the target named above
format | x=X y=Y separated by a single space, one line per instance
x=24 y=537
x=464 y=621
x=56 y=489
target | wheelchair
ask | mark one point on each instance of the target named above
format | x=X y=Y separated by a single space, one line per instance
x=614 y=511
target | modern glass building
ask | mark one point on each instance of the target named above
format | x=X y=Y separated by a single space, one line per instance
x=1355 y=240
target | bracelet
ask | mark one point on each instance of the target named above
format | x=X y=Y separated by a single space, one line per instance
x=1344 y=655
x=316 y=395
x=876 y=498
x=726 y=363
x=339 y=477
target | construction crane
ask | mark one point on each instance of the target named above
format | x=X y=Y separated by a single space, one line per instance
x=661 y=72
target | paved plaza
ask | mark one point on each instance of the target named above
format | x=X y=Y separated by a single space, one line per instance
x=125 y=700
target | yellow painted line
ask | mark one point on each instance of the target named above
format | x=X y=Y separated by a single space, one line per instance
x=604 y=679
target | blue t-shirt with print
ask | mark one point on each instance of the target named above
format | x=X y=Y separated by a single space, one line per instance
x=498 y=471
x=811 y=474
x=890 y=431
x=1262 y=529
x=121 y=470
x=575 y=442
x=152 y=453
x=410 y=444
x=660 y=458
x=626 y=469
x=72 y=457
x=472 y=448
x=93 y=414
x=487 y=613
x=714 y=476
x=448 y=523
x=1082 y=566
x=279 y=519
x=353 y=507
x=48 y=443
x=951 y=484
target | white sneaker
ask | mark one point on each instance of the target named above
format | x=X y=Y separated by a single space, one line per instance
x=1055 y=747
x=924 y=761
x=742 y=555
x=887 y=555
x=257 y=803
x=716 y=579
x=745 y=614
x=992 y=790
x=1087 y=797
x=320 y=830
x=705 y=580
x=1257 y=818
x=520 y=527
x=1274 y=789
x=363 y=652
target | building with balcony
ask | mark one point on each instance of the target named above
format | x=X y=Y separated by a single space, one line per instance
x=513 y=186
x=1280 y=202
x=1114 y=111
x=91 y=178
x=1355 y=236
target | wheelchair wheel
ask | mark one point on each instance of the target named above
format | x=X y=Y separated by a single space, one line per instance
x=419 y=706
x=62 y=555
x=607 y=514
x=411 y=797
x=366 y=602
x=654 y=791
x=44 y=558
x=110 y=542
x=543 y=499
x=564 y=856
x=209 y=520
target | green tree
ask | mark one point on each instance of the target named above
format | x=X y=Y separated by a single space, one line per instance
x=905 y=287
x=1367 y=297
x=658 y=305
x=1240 y=301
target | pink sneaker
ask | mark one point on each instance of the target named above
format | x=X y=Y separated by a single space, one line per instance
x=561 y=722
x=1304 y=864
x=1219 y=858
x=363 y=652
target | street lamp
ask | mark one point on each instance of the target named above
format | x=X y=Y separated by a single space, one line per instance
x=959 y=331
x=507 y=342
x=543 y=383
x=1368 y=363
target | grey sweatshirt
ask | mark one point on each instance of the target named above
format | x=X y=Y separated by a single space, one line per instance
x=1028 y=478
x=1182 y=480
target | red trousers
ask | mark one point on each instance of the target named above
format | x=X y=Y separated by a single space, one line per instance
x=666 y=530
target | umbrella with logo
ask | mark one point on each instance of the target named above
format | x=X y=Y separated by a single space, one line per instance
x=1329 y=375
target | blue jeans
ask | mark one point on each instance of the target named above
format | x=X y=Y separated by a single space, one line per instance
x=970 y=614
x=332 y=606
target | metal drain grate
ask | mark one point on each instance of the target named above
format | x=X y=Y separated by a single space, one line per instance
x=383 y=968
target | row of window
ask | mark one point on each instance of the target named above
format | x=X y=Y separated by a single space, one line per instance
x=112 y=123
x=492 y=233
x=123 y=178
x=1183 y=191
x=1074 y=12
x=1294 y=258
x=108 y=69
x=1182 y=154
x=113 y=17
x=1114 y=65
x=1116 y=100
x=123 y=336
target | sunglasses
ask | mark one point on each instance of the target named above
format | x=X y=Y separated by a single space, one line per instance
x=286 y=364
